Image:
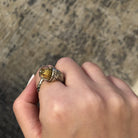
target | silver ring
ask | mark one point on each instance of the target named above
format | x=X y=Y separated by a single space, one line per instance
x=49 y=73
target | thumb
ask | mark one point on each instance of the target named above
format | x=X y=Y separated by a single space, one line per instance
x=27 y=112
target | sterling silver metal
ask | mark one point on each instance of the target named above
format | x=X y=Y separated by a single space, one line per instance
x=39 y=84
x=55 y=76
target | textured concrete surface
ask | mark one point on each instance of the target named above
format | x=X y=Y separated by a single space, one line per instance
x=36 y=32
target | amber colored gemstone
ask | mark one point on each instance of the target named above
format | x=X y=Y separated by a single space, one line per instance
x=46 y=73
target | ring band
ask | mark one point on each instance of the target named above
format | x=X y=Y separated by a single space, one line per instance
x=49 y=73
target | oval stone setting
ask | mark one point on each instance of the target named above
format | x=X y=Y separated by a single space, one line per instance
x=45 y=73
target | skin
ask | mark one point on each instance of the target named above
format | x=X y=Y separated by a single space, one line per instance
x=88 y=105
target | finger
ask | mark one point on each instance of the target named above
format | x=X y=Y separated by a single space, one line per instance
x=48 y=91
x=121 y=85
x=27 y=112
x=72 y=71
x=94 y=72
x=106 y=88
x=45 y=85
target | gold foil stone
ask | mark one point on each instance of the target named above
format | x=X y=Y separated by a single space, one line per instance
x=45 y=73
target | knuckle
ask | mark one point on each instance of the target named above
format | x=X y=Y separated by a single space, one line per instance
x=16 y=105
x=99 y=103
x=116 y=103
x=134 y=104
x=63 y=60
x=94 y=102
x=94 y=106
x=57 y=112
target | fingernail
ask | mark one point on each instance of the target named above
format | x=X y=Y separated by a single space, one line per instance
x=30 y=79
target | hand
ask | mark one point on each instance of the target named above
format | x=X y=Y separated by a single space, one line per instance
x=88 y=105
